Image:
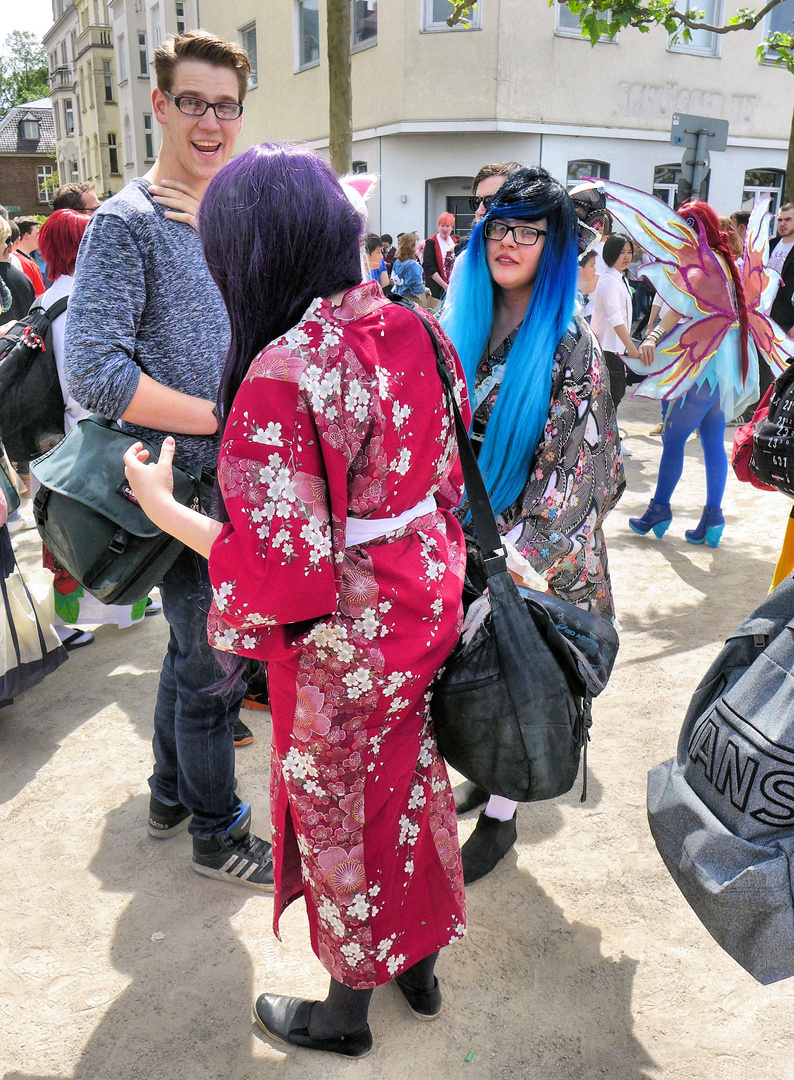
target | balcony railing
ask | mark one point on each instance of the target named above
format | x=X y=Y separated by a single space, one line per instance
x=97 y=36
x=62 y=78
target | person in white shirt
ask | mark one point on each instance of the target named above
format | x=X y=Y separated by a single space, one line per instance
x=612 y=312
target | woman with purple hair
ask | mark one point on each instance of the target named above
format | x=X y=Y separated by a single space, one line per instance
x=339 y=562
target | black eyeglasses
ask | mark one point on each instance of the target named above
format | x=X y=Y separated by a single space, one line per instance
x=525 y=235
x=475 y=201
x=193 y=106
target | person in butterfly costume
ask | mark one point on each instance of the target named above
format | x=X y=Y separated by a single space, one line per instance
x=704 y=355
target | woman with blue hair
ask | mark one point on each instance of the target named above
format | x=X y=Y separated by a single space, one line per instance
x=543 y=422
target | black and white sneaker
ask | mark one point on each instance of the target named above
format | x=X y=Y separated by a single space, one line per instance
x=236 y=855
x=167 y=819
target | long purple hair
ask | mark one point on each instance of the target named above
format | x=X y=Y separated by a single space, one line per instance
x=277 y=232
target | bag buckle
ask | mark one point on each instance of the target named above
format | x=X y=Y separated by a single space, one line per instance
x=118 y=544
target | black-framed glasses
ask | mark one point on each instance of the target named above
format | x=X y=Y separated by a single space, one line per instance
x=526 y=235
x=193 y=106
x=475 y=201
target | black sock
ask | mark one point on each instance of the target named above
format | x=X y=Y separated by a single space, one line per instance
x=343 y=1012
x=420 y=976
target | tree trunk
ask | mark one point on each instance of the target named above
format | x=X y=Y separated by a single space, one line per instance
x=789 y=197
x=339 y=85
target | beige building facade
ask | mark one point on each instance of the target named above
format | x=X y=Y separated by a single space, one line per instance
x=431 y=105
x=84 y=96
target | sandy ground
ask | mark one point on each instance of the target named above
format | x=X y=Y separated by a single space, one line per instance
x=582 y=960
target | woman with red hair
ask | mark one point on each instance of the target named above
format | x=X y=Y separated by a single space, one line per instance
x=59 y=242
x=701 y=407
x=439 y=256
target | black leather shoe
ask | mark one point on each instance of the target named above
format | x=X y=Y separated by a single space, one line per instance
x=468 y=797
x=486 y=847
x=424 y=1004
x=287 y=1019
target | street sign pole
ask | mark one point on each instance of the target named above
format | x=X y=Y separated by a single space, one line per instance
x=699 y=164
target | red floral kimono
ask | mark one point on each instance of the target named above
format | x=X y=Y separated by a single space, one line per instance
x=344 y=417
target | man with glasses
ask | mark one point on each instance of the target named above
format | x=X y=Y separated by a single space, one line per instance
x=153 y=358
x=484 y=188
x=79 y=196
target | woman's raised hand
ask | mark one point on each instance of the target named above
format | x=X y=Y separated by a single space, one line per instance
x=152 y=485
x=179 y=200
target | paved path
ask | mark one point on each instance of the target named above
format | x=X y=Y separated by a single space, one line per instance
x=582 y=960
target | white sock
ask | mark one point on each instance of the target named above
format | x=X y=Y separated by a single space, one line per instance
x=499 y=808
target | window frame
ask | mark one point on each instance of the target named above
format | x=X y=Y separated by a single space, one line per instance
x=242 y=33
x=143 y=56
x=113 y=154
x=365 y=43
x=107 y=79
x=26 y=126
x=68 y=116
x=771 y=55
x=766 y=190
x=298 y=37
x=148 y=137
x=180 y=18
x=575 y=33
x=601 y=171
x=670 y=187
x=687 y=48
x=429 y=25
x=120 y=45
x=43 y=173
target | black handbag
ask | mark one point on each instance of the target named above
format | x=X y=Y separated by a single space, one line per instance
x=772 y=458
x=90 y=521
x=512 y=707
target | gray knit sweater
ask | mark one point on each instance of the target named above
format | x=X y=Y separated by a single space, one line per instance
x=143 y=300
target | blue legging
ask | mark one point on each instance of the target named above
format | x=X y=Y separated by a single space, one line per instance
x=700 y=409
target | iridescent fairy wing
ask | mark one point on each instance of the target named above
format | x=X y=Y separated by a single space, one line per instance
x=692 y=280
x=760 y=287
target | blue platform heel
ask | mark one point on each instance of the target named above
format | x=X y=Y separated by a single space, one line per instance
x=709 y=528
x=657 y=517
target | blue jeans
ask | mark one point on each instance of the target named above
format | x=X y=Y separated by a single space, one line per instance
x=193 y=728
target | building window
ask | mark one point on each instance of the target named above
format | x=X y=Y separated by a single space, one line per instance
x=113 y=154
x=247 y=38
x=44 y=182
x=157 y=33
x=307 y=32
x=665 y=182
x=763 y=184
x=148 y=136
x=436 y=12
x=181 y=24
x=702 y=42
x=580 y=168
x=30 y=130
x=780 y=20
x=364 y=24
x=121 y=54
x=143 y=59
x=72 y=40
x=63 y=53
x=56 y=119
x=107 y=78
x=74 y=175
x=129 y=151
x=358 y=167
x=566 y=24
x=68 y=116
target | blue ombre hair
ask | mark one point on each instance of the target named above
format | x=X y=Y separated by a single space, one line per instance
x=522 y=406
x=277 y=231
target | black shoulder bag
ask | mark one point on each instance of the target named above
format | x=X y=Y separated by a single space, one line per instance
x=512 y=707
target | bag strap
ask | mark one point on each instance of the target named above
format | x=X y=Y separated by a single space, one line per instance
x=482 y=514
x=56 y=309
